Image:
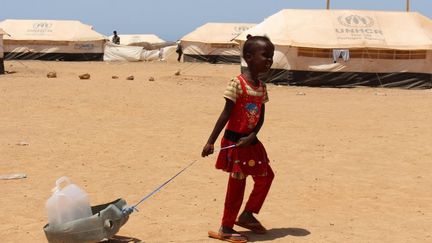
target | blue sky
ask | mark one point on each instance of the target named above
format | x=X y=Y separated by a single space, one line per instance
x=173 y=19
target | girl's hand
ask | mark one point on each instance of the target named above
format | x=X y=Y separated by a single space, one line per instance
x=246 y=141
x=208 y=149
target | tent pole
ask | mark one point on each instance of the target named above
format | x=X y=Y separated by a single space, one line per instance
x=407 y=5
x=328 y=4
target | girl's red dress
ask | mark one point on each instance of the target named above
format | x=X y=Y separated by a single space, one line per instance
x=252 y=159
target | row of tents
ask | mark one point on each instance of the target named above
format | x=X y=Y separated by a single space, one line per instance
x=342 y=48
x=68 y=41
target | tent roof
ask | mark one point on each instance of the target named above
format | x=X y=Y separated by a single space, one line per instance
x=346 y=29
x=217 y=32
x=139 y=38
x=53 y=30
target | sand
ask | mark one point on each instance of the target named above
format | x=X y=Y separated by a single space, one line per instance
x=351 y=165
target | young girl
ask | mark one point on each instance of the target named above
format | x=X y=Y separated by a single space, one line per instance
x=244 y=111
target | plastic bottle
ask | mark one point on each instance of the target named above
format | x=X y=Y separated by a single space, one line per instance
x=67 y=203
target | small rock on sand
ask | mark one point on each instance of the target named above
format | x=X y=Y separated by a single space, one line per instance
x=84 y=76
x=52 y=75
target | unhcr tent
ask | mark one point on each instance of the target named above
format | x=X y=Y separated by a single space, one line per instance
x=52 y=40
x=214 y=43
x=2 y=70
x=346 y=48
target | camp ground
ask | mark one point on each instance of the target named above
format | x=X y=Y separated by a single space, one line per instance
x=347 y=48
x=67 y=40
x=213 y=43
x=350 y=164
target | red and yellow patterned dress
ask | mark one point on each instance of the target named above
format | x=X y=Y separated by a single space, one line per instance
x=248 y=99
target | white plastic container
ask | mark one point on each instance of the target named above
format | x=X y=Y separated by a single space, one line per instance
x=67 y=203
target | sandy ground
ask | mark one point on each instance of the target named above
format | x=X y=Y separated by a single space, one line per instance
x=352 y=165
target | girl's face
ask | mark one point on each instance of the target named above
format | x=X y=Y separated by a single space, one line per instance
x=261 y=57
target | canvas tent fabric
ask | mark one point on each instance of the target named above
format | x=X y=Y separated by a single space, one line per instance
x=115 y=53
x=67 y=40
x=386 y=49
x=214 y=43
x=147 y=41
x=139 y=39
x=2 y=70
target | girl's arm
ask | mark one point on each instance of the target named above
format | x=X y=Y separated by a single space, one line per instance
x=220 y=124
x=245 y=141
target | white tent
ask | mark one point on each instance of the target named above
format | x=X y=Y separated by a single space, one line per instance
x=147 y=41
x=139 y=39
x=115 y=52
x=52 y=40
x=161 y=54
x=2 y=70
x=214 y=43
x=138 y=47
x=349 y=48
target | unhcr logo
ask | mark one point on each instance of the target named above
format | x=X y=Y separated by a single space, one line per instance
x=42 y=25
x=240 y=29
x=41 y=28
x=358 y=27
x=356 y=21
x=84 y=46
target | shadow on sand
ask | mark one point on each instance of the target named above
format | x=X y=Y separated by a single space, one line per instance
x=122 y=239
x=273 y=234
